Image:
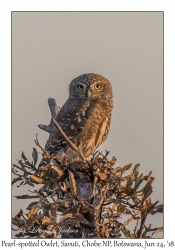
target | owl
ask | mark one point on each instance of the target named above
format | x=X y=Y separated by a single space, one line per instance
x=85 y=117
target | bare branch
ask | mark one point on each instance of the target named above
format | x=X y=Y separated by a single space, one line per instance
x=73 y=146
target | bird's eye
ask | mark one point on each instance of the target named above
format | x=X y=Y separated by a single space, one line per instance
x=80 y=87
x=97 y=86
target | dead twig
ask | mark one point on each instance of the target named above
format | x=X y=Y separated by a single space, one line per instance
x=38 y=144
x=73 y=146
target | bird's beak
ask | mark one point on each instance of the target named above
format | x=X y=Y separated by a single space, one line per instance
x=88 y=93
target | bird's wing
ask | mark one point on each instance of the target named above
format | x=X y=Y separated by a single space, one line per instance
x=56 y=141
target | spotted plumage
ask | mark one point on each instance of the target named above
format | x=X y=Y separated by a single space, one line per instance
x=85 y=117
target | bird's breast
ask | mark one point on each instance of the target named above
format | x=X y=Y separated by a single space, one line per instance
x=95 y=128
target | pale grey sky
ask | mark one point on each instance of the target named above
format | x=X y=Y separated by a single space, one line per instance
x=49 y=49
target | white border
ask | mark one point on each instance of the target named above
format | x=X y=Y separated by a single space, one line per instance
x=169 y=92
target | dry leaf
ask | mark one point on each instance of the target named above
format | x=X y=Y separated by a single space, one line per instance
x=35 y=156
x=160 y=229
x=35 y=209
x=72 y=183
x=58 y=170
x=37 y=179
x=126 y=167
